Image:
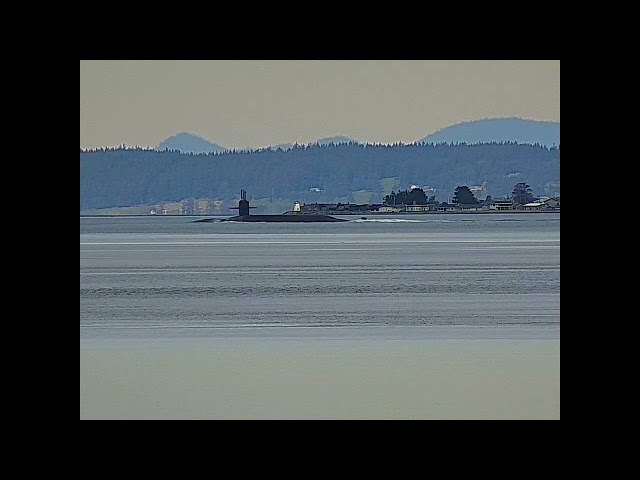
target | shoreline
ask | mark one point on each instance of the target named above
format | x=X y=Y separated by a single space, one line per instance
x=385 y=214
x=324 y=334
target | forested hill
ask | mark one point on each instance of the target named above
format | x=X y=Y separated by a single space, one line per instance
x=313 y=173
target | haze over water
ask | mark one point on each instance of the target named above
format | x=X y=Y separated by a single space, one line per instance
x=415 y=316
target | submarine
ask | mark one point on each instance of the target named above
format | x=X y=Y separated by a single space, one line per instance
x=292 y=216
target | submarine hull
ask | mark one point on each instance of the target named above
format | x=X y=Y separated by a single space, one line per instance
x=285 y=218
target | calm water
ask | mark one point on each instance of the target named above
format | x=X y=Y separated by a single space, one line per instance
x=440 y=316
x=442 y=275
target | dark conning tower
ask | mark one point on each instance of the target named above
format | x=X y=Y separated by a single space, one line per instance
x=243 y=205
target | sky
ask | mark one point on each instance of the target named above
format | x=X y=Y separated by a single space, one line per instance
x=258 y=103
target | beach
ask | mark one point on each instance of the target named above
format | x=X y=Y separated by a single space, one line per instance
x=323 y=378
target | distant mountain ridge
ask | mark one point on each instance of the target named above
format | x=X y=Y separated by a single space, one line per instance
x=189 y=143
x=487 y=130
x=336 y=140
x=490 y=130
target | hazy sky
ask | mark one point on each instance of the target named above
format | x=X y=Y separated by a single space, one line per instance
x=257 y=103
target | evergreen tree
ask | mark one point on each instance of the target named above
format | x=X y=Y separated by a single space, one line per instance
x=522 y=194
x=406 y=197
x=463 y=196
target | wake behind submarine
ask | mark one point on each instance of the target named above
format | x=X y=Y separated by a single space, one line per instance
x=292 y=216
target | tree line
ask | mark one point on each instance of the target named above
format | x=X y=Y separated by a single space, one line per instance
x=462 y=195
x=311 y=173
